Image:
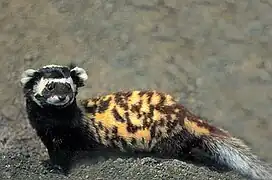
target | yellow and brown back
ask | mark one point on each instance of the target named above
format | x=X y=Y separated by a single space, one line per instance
x=139 y=119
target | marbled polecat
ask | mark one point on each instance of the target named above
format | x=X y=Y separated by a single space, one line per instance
x=144 y=121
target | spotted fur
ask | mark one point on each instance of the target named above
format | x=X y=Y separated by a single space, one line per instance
x=140 y=119
x=152 y=121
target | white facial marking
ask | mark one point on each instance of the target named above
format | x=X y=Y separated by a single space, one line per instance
x=54 y=100
x=51 y=66
x=27 y=75
x=81 y=73
x=40 y=86
x=44 y=81
x=36 y=101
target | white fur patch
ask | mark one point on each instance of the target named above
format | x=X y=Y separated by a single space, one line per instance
x=36 y=101
x=39 y=87
x=81 y=73
x=27 y=75
x=54 y=100
x=51 y=66
x=237 y=156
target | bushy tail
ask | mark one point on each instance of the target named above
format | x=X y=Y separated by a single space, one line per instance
x=235 y=154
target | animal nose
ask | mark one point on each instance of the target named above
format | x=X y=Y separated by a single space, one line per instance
x=62 y=98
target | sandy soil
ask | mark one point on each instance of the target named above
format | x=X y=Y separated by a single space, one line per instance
x=213 y=55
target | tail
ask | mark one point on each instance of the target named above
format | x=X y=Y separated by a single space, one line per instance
x=230 y=151
x=235 y=154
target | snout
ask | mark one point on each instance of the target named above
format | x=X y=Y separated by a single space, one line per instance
x=61 y=95
x=62 y=98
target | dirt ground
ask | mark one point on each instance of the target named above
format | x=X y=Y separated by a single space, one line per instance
x=213 y=55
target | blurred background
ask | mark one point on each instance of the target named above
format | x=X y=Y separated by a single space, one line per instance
x=214 y=56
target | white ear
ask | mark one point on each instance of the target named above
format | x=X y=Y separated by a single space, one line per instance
x=27 y=75
x=81 y=73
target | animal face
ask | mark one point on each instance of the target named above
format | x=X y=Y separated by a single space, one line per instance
x=53 y=85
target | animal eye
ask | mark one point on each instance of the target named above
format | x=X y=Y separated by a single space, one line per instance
x=51 y=86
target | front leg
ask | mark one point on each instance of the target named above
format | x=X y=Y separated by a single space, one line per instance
x=60 y=155
x=59 y=152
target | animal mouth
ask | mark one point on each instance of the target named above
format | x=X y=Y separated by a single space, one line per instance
x=59 y=100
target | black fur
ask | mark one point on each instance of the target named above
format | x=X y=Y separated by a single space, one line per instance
x=61 y=130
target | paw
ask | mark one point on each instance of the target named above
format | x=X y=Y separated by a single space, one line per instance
x=59 y=169
x=55 y=168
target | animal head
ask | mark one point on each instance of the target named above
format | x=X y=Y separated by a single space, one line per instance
x=53 y=85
